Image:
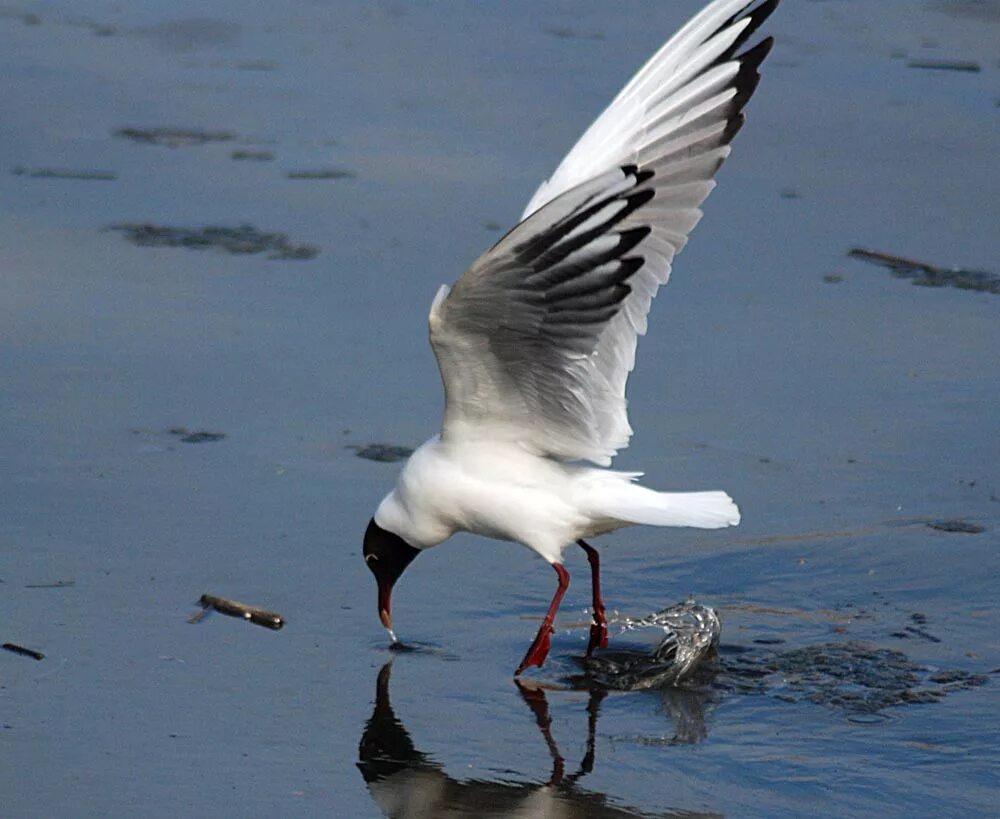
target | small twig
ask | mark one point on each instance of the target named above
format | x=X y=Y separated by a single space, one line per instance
x=929 y=275
x=890 y=260
x=234 y=608
x=26 y=652
x=945 y=65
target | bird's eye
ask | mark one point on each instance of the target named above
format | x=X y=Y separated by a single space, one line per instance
x=370 y=557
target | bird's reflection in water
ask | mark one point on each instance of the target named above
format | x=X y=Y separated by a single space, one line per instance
x=405 y=782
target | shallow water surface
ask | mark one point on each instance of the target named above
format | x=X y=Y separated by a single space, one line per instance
x=184 y=418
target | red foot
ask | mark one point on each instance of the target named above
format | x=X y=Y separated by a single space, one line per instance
x=538 y=650
x=598 y=637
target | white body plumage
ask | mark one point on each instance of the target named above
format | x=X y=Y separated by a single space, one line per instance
x=501 y=490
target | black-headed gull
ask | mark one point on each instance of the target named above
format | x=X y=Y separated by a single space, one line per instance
x=536 y=340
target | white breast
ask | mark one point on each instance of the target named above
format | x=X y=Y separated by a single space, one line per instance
x=493 y=489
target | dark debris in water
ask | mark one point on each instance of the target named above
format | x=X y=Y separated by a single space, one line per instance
x=916 y=630
x=246 y=155
x=199 y=437
x=928 y=275
x=911 y=632
x=858 y=677
x=242 y=240
x=959 y=526
x=174 y=137
x=945 y=65
x=23 y=651
x=323 y=173
x=65 y=173
x=383 y=453
x=234 y=608
x=853 y=676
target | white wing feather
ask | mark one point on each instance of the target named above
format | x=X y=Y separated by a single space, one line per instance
x=614 y=137
x=536 y=340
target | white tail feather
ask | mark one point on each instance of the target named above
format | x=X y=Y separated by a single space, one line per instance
x=637 y=504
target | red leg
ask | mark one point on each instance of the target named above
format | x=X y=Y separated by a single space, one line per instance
x=539 y=649
x=599 y=630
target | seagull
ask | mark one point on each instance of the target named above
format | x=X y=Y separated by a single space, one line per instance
x=537 y=338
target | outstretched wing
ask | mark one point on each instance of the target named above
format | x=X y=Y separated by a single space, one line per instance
x=692 y=67
x=536 y=340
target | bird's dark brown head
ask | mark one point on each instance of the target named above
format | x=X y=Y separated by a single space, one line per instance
x=387 y=555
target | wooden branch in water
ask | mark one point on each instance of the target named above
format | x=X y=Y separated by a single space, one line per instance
x=929 y=275
x=233 y=608
x=946 y=65
x=24 y=652
x=891 y=260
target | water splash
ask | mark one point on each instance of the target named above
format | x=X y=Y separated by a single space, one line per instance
x=686 y=636
x=392 y=635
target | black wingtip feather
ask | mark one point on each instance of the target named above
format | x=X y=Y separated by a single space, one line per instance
x=640 y=176
x=757 y=17
x=644 y=176
x=754 y=56
x=638 y=199
x=749 y=74
x=628 y=239
x=628 y=268
x=733 y=126
x=747 y=78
